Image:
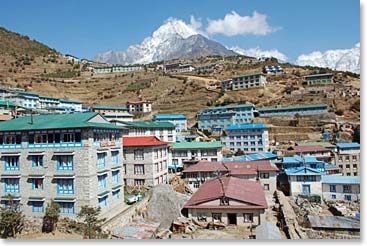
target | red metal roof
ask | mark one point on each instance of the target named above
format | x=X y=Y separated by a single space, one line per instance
x=246 y=191
x=142 y=141
x=237 y=168
x=310 y=148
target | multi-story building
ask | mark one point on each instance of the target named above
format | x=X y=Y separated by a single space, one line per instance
x=165 y=131
x=186 y=151
x=273 y=69
x=347 y=158
x=179 y=120
x=116 y=69
x=262 y=171
x=292 y=110
x=146 y=161
x=206 y=68
x=139 y=107
x=25 y=99
x=73 y=159
x=230 y=200
x=70 y=105
x=48 y=102
x=246 y=81
x=318 y=79
x=112 y=113
x=218 y=118
x=246 y=137
x=178 y=68
x=336 y=188
x=304 y=181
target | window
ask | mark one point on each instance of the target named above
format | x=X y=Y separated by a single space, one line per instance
x=248 y=218
x=102 y=182
x=139 y=154
x=139 y=169
x=37 y=161
x=102 y=201
x=347 y=158
x=124 y=167
x=224 y=201
x=11 y=139
x=139 y=182
x=115 y=157
x=101 y=160
x=115 y=176
x=65 y=162
x=37 y=207
x=333 y=197
x=348 y=197
x=65 y=186
x=217 y=216
x=264 y=175
x=266 y=187
x=37 y=184
x=66 y=207
x=116 y=194
x=11 y=163
x=347 y=188
x=332 y=188
x=12 y=185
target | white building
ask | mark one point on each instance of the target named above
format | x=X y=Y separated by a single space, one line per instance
x=304 y=181
x=249 y=138
x=185 y=151
x=25 y=99
x=336 y=188
x=139 y=107
x=347 y=158
x=48 y=102
x=70 y=105
x=179 y=120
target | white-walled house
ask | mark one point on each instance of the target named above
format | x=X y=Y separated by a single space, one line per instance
x=304 y=181
x=336 y=188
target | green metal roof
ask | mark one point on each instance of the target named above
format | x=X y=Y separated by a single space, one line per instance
x=54 y=121
x=323 y=144
x=197 y=145
x=144 y=124
x=69 y=101
x=292 y=107
x=103 y=194
x=250 y=74
x=7 y=104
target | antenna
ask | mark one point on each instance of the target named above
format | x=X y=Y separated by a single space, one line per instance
x=31 y=117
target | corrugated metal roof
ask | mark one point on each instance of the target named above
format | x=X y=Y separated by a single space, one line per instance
x=197 y=145
x=336 y=179
x=334 y=222
x=247 y=126
x=281 y=108
x=110 y=107
x=169 y=116
x=348 y=145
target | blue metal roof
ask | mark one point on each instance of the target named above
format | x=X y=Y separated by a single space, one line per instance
x=348 y=145
x=302 y=171
x=247 y=126
x=169 y=116
x=298 y=159
x=110 y=107
x=336 y=179
x=252 y=157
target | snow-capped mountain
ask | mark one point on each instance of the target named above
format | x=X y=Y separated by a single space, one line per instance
x=174 y=39
x=258 y=53
x=340 y=59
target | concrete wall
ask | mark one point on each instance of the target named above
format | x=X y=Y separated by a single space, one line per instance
x=296 y=187
x=339 y=193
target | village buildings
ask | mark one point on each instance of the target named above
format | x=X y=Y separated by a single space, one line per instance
x=318 y=79
x=139 y=107
x=340 y=188
x=347 y=158
x=293 y=110
x=244 y=81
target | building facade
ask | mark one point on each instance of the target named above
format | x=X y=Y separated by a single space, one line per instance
x=186 y=151
x=48 y=102
x=139 y=107
x=146 y=161
x=318 y=79
x=249 y=138
x=247 y=81
x=218 y=118
x=70 y=105
x=179 y=120
x=341 y=188
x=73 y=159
x=292 y=110
x=304 y=181
x=25 y=99
x=347 y=158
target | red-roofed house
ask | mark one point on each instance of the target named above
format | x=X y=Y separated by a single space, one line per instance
x=145 y=161
x=230 y=200
x=320 y=152
x=139 y=106
x=263 y=171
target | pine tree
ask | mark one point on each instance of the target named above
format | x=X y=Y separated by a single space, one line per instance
x=51 y=217
x=11 y=218
x=92 y=224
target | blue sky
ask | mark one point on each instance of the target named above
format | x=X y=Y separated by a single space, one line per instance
x=86 y=28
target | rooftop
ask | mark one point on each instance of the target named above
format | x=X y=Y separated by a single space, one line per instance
x=169 y=116
x=247 y=126
x=252 y=157
x=323 y=144
x=348 y=145
x=232 y=106
x=281 y=108
x=69 y=101
x=110 y=107
x=197 y=145
x=55 y=121
x=248 y=192
x=245 y=75
x=309 y=148
x=143 y=124
x=302 y=171
x=138 y=102
x=142 y=141
x=334 y=222
x=7 y=104
x=318 y=75
x=336 y=179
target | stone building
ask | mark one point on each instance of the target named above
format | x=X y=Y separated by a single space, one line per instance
x=146 y=161
x=73 y=159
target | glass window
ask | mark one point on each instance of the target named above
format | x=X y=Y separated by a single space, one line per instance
x=332 y=188
x=102 y=201
x=37 y=161
x=248 y=217
x=116 y=194
x=217 y=216
x=139 y=182
x=12 y=185
x=65 y=186
x=65 y=162
x=37 y=184
x=115 y=176
x=347 y=188
x=66 y=207
x=11 y=163
x=139 y=169
x=101 y=160
x=37 y=207
x=139 y=154
x=264 y=175
x=102 y=182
